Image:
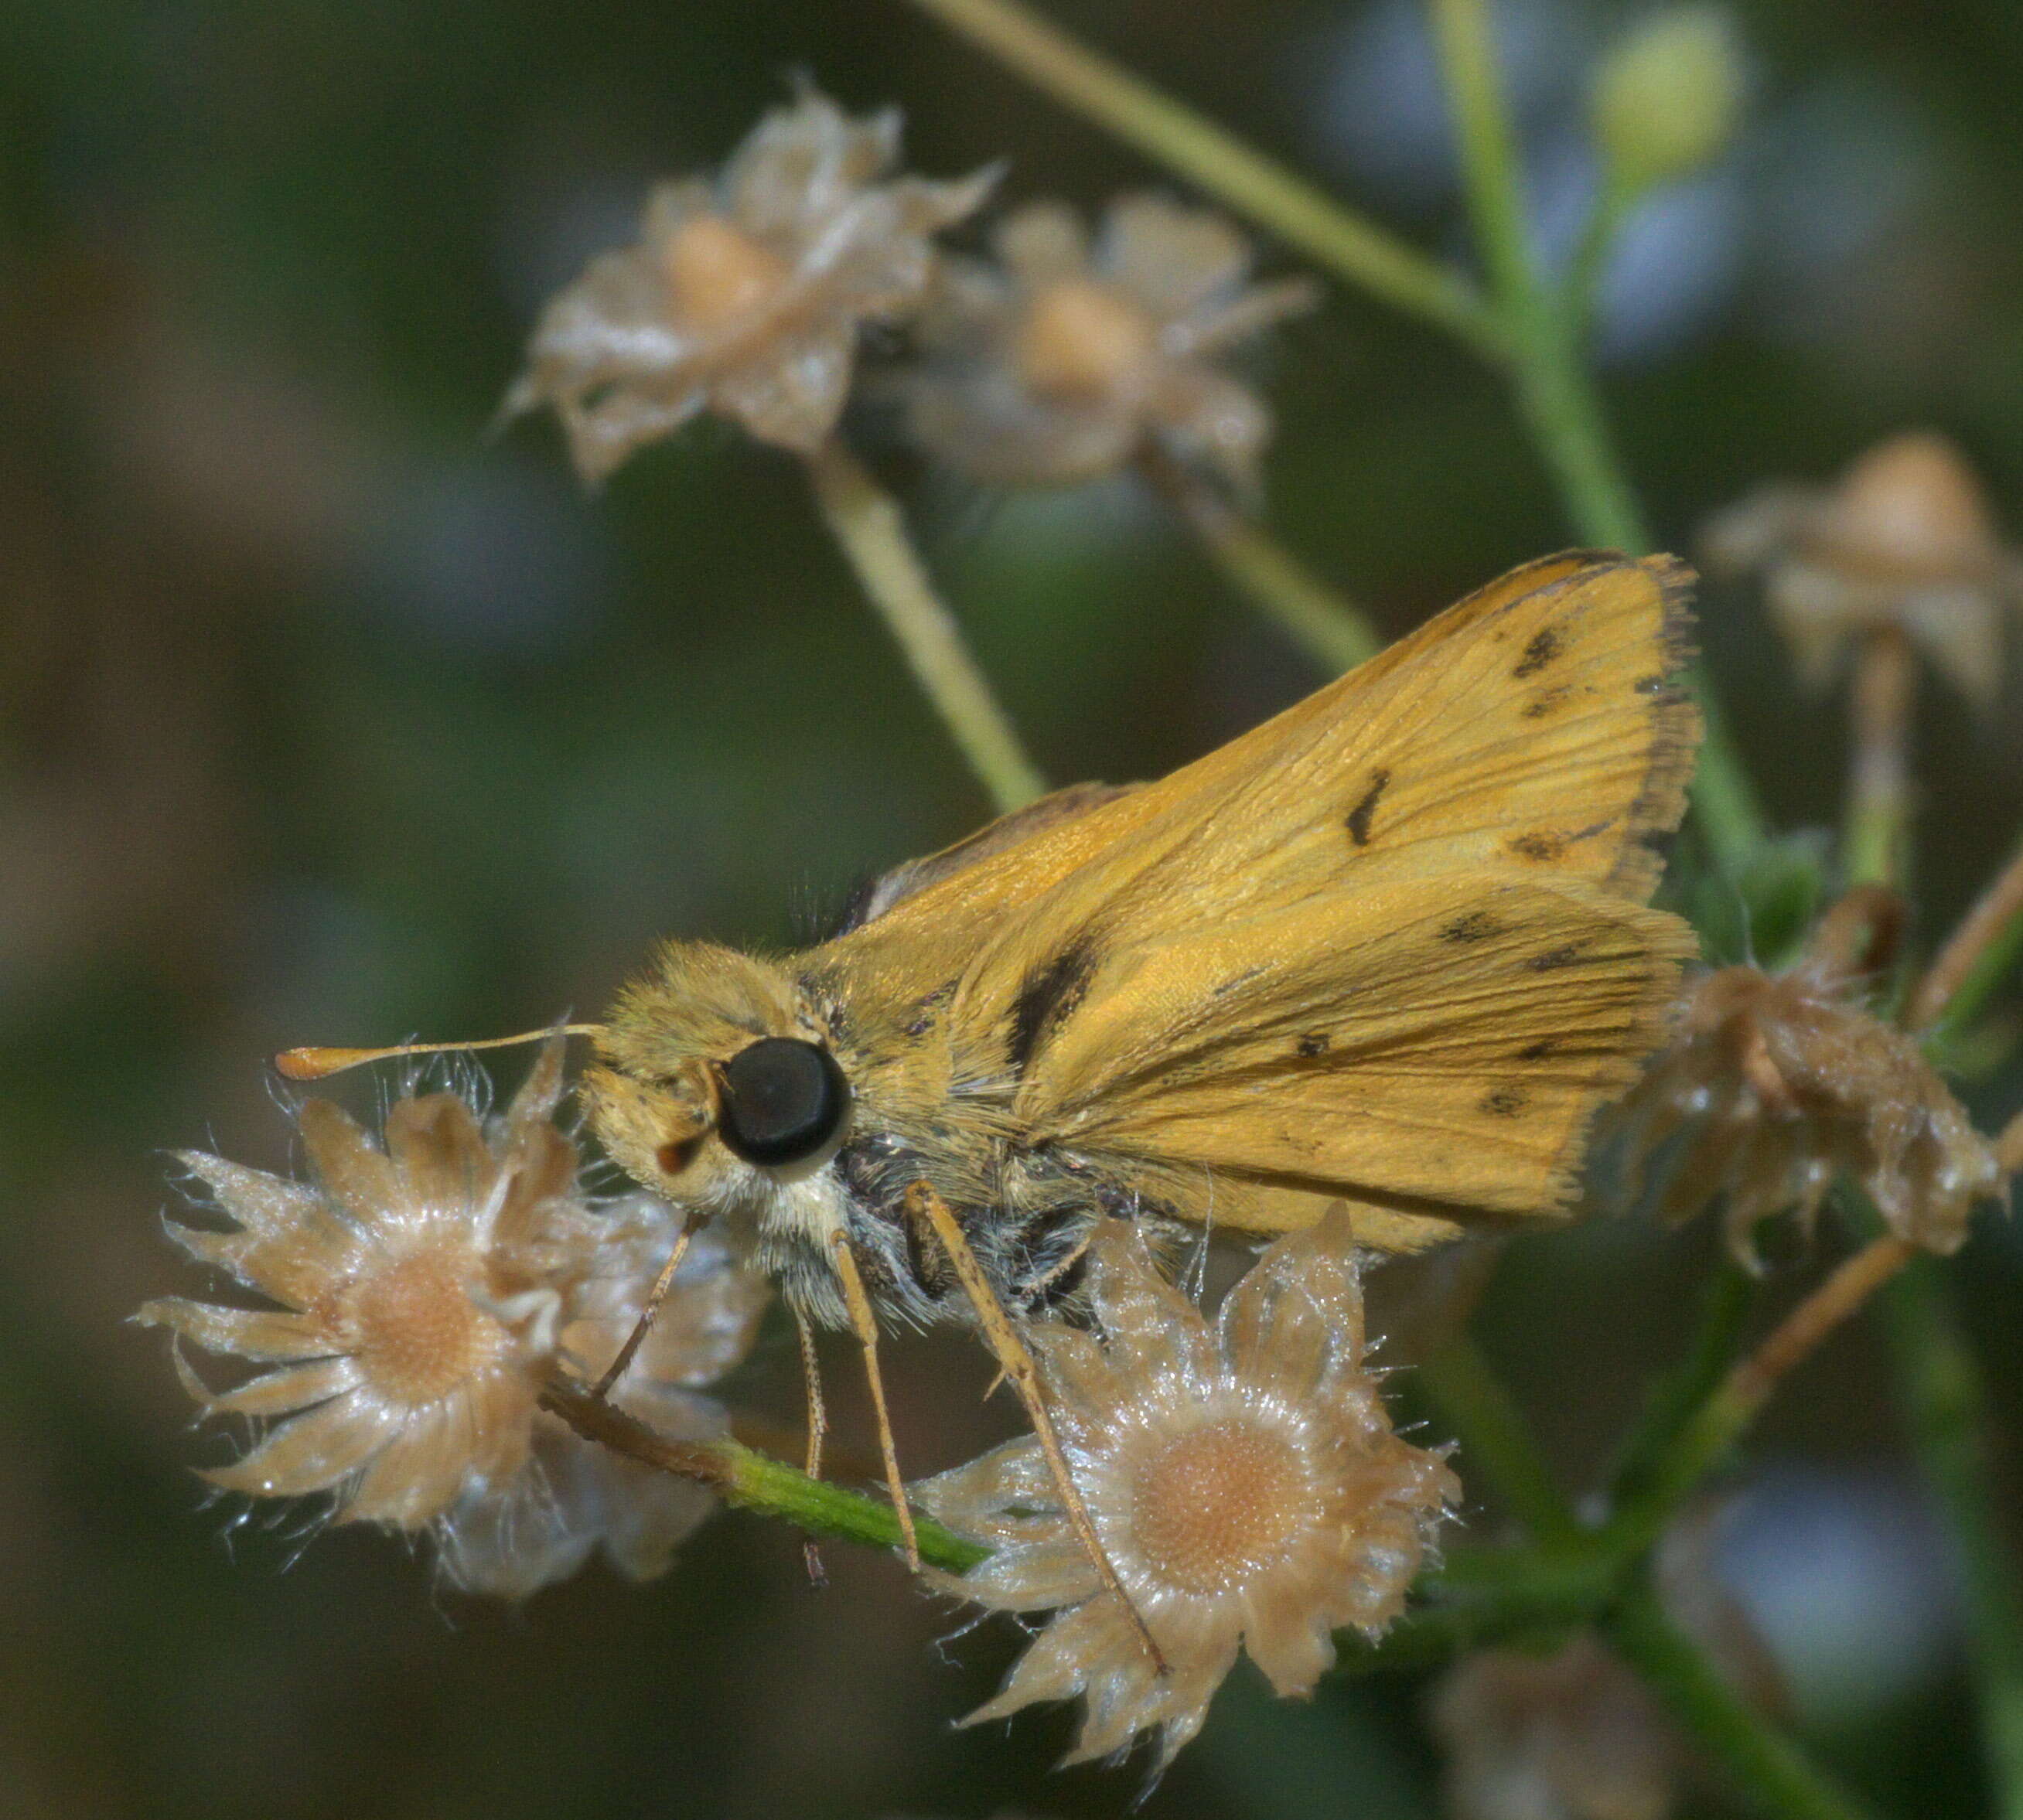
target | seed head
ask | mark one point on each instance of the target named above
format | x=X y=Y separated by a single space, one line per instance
x=1774 y=1083
x=427 y=1283
x=745 y=293
x=1242 y=1475
x=1905 y=540
x=1061 y=361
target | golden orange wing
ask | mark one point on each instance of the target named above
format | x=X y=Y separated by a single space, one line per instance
x=1131 y=976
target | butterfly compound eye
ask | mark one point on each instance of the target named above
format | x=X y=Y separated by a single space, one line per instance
x=783 y=1101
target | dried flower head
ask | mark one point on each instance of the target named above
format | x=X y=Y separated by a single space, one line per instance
x=1062 y=361
x=744 y=294
x=1575 y=1735
x=572 y=1495
x=426 y=1285
x=1905 y=540
x=1242 y=1475
x=1773 y=1084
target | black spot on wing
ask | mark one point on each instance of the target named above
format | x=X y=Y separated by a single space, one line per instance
x=1315 y=1043
x=1048 y=998
x=1554 y=958
x=1538 y=1051
x=1504 y=1102
x=1476 y=925
x=1357 y=821
x=1543 y=648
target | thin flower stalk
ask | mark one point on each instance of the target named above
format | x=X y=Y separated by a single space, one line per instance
x=1880 y=709
x=1336 y=633
x=753 y=1481
x=1984 y=946
x=1358 y=250
x=871 y=531
x=1704 y=1442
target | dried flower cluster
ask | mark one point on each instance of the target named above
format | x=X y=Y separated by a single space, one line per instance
x=426 y=1285
x=1575 y=1734
x=745 y=295
x=1243 y=1476
x=1905 y=540
x=1774 y=1083
x=1064 y=361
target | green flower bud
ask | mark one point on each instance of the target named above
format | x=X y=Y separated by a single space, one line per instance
x=1666 y=97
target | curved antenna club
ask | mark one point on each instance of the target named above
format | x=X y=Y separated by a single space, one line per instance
x=318 y=1064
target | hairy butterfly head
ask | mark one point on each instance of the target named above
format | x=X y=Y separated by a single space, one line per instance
x=714 y=1066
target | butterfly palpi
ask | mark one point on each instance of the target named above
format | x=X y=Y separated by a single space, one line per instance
x=1391 y=949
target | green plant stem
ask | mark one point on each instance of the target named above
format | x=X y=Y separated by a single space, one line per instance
x=1878 y=809
x=1317 y=620
x=1703 y=1442
x=1552 y=387
x=871 y=530
x=1643 y=1464
x=1945 y=1402
x=1496 y=1442
x=1605 y=221
x=756 y=1481
x=1767 y=1766
x=1355 y=248
x=1553 y=391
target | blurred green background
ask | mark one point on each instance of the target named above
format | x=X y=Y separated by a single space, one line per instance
x=325 y=716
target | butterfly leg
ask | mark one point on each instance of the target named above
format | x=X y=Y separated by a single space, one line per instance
x=655 y=1296
x=865 y=1323
x=1015 y=1360
x=817 y=1429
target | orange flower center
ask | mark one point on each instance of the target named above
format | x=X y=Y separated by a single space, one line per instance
x=1080 y=339
x=718 y=275
x=1217 y=1503
x=416 y=1333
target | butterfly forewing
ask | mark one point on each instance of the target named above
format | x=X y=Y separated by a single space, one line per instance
x=1151 y=976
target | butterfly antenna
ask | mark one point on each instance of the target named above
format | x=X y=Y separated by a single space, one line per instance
x=318 y=1064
